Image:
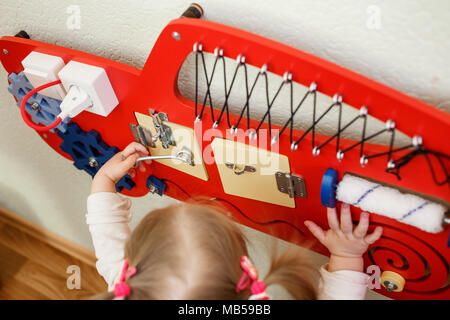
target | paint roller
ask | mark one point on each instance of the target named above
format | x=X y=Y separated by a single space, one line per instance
x=386 y=201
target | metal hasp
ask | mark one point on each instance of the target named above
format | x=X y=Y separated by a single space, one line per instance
x=143 y=136
x=163 y=131
x=238 y=171
x=291 y=184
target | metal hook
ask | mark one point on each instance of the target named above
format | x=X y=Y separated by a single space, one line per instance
x=237 y=171
x=184 y=155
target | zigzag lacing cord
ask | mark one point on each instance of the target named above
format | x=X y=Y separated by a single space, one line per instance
x=393 y=166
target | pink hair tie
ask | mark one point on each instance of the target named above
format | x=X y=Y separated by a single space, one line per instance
x=121 y=288
x=257 y=288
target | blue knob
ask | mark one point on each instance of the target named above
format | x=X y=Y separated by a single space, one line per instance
x=328 y=188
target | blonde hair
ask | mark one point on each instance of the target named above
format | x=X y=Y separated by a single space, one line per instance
x=193 y=251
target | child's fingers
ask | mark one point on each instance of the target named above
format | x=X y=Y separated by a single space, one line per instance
x=143 y=163
x=133 y=148
x=141 y=166
x=333 y=222
x=374 y=236
x=129 y=162
x=315 y=230
x=132 y=173
x=363 y=225
x=346 y=219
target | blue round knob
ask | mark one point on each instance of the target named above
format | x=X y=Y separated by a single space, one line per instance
x=328 y=188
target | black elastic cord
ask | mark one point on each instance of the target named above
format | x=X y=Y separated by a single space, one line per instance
x=316 y=122
x=228 y=93
x=393 y=165
x=401 y=162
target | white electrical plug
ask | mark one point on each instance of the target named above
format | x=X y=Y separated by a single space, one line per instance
x=88 y=87
x=76 y=101
x=91 y=80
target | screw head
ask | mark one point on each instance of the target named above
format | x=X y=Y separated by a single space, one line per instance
x=391 y=164
x=35 y=106
x=5 y=51
x=274 y=140
x=363 y=161
x=294 y=146
x=337 y=98
x=218 y=52
x=198 y=47
x=240 y=58
x=417 y=141
x=340 y=155
x=315 y=152
x=93 y=162
x=390 y=124
x=176 y=35
x=264 y=68
x=287 y=76
x=363 y=111
x=252 y=135
x=390 y=286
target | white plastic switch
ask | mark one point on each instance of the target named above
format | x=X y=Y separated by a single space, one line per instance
x=40 y=69
x=94 y=81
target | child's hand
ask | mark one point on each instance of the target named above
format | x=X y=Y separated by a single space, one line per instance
x=119 y=165
x=345 y=243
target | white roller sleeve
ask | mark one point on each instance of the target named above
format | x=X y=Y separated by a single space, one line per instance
x=389 y=202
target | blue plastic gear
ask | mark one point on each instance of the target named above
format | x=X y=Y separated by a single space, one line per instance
x=48 y=108
x=89 y=152
x=328 y=188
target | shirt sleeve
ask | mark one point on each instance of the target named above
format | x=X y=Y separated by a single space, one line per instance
x=342 y=284
x=107 y=216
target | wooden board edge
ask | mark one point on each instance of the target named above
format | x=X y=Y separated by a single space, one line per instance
x=48 y=237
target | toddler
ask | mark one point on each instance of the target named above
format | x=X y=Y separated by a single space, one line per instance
x=193 y=251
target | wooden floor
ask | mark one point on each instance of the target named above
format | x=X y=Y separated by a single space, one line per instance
x=34 y=261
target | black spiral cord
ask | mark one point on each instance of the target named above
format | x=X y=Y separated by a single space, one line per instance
x=393 y=166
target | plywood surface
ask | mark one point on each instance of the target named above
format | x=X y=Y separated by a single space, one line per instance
x=184 y=137
x=259 y=185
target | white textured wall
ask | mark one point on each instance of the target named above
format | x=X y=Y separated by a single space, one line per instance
x=409 y=52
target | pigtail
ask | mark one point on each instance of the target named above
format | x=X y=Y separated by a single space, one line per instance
x=293 y=271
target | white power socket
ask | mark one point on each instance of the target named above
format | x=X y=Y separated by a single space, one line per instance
x=94 y=81
x=40 y=69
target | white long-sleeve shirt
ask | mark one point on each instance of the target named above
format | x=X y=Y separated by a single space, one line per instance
x=108 y=215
